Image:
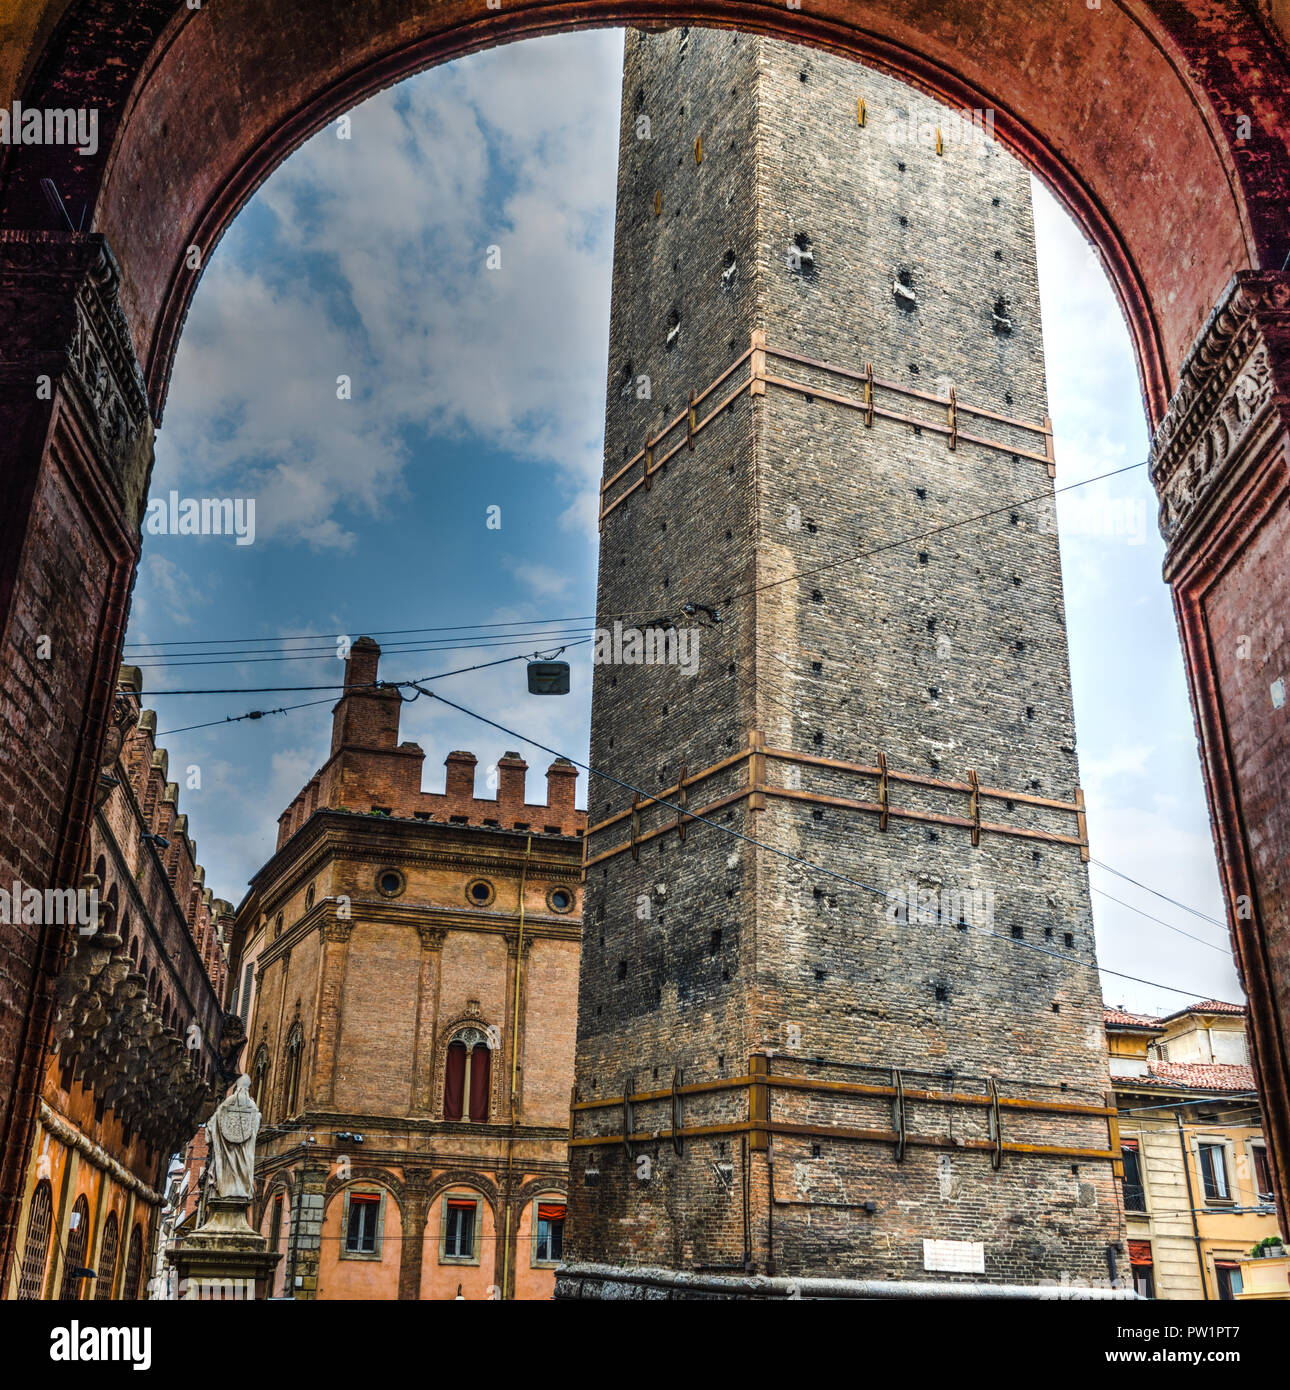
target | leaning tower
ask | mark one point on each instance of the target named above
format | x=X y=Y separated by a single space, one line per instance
x=867 y=1047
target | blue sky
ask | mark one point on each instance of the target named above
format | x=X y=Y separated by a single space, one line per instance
x=474 y=388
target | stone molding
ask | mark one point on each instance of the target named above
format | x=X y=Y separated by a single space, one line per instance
x=95 y=1154
x=1227 y=388
x=63 y=318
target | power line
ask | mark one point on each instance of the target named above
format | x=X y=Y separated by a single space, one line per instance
x=331 y=654
x=1222 y=950
x=1195 y=912
x=935 y=531
x=603 y=617
x=238 y=718
x=375 y=685
x=770 y=849
x=371 y=632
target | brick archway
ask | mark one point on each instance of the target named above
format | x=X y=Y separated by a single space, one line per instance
x=1158 y=122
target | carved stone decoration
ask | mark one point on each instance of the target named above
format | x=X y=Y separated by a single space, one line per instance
x=338 y=932
x=432 y=938
x=59 y=303
x=1224 y=396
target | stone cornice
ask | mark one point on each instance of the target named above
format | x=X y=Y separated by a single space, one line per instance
x=302 y=858
x=66 y=1133
x=1224 y=397
x=422 y=918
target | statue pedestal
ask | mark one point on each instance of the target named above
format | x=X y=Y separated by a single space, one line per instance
x=224 y=1259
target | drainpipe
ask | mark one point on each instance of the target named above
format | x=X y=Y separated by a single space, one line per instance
x=1191 y=1203
x=507 y=1292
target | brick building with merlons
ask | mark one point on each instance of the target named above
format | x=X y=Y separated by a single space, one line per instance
x=407 y=966
x=141 y=1051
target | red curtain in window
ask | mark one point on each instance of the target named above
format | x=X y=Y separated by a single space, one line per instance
x=479 y=1070
x=454 y=1081
x=1140 y=1252
x=549 y=1211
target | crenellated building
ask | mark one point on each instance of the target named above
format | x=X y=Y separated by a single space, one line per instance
x=406 y=965
x=137 y=1060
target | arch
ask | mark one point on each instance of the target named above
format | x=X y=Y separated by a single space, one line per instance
x=107 y=1259
x=372 y=1177
x=466 y=1177
x=35 y=1255
x=76 y=1249
x=166 y=107
x=467 y=1082
x=133 y=1264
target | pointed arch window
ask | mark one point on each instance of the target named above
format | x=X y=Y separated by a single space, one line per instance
x=260 y=1076
x=35 y=1255
x=295 y=1053
x=467 y=1076
x=107 y=1259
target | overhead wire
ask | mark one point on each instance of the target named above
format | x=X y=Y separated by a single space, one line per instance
x=772 y=849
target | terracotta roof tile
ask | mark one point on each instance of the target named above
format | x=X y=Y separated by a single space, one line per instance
x=1128 y=1020
x=1199 y=1076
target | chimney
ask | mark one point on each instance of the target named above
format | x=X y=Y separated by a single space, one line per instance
x=510 y=787
x=561 y=783
x=363 y=717
x=460 y=786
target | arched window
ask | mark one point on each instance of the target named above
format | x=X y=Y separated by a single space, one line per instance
x=107 y=1259
x=260 y=1076
x=31 y=1282
x=77 y=1234
x=133 y=1264
x=467 y=1076
x=295 y=1052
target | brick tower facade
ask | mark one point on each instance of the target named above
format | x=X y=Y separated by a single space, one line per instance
x=826 y=345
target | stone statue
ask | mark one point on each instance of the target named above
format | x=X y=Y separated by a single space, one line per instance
x=231 y=1133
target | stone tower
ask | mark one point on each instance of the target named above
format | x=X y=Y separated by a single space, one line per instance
x=872 y=1048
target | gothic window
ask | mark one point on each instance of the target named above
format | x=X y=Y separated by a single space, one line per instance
x=107 y=1259
x=295 y=1051
x=548 y=1230
x=459 y=1229
x=260 y=1077
x=77 y=1234
x=467 y=1076
x=31 y=1282
x=133 y=1264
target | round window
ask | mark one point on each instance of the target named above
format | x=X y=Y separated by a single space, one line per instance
x=389 y=882
x=560 y=900
x=480 y=892
x=309 y=897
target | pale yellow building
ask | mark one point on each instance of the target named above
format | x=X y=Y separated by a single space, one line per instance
x=1197 y=1185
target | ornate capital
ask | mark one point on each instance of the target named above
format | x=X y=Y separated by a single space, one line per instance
x=1224 y=400
x=63 y=319
x=337 y=931
x=432 y=938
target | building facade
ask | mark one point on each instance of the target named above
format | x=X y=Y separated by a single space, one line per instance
x=413 y=961
x=1198 y=1190
x=872 y=1047
x=137 y=1060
